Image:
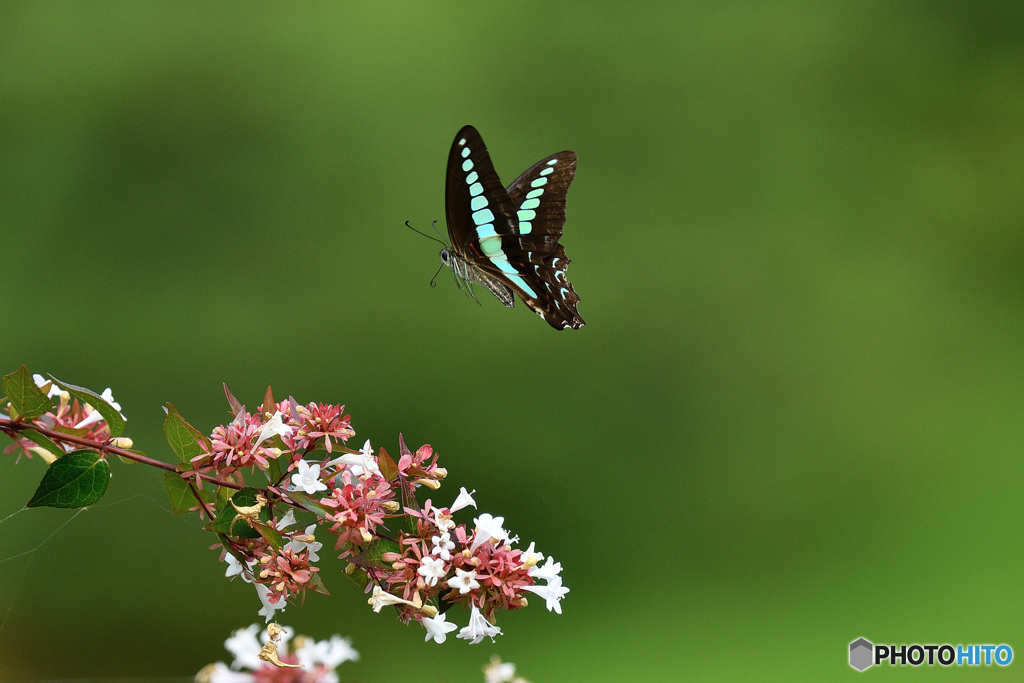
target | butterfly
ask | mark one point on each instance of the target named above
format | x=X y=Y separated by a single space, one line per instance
x=506 y=238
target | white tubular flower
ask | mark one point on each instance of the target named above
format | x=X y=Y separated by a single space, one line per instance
x=488 y=527
x=552 y=593
x=549 y=571
x=437 y=628
x=54 y=390
x=431 y=570
x=443 y=545
x=235 y=568
x=307 y=478
x=465 y=499
x=464 y=581
x=381 y=599
x=313 y=546
x=358 y=462
x=275 y=426
x=244 y=644
x=269 y=609
x=479 y=628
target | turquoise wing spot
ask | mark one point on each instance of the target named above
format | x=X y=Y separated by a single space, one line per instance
x=522 y=284
x=552 y=162
x=530 y=204
x=534 y=193
x=467 y=165
x=527 y=215
x=503 y=264
x=475 y=189
x=483 y=216
x=486 y=230
x=491 y=246
x=478 y=203
x=539 y=182
x=465 y=152
x=525 y=227
x=472 y=178
x=462 y=141
x=546 y=171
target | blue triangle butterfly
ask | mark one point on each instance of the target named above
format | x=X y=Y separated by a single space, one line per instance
x=507 y=238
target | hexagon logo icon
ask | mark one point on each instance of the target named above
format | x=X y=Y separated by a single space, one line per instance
x=861 y=654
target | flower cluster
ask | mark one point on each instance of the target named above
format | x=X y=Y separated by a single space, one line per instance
x=422 y=563
x=408 y=555
x=306 y=660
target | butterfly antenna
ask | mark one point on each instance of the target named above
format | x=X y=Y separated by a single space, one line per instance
x=433 y=224
x=443 y=243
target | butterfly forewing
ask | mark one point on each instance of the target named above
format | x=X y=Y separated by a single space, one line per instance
x=476 y=203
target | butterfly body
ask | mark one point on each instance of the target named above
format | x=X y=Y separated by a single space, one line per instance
x=507 y=239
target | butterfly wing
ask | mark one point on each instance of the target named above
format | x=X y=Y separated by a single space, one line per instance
x=538 y=196
x=508 y=239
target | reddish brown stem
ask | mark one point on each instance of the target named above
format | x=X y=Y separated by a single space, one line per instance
x=11 y=428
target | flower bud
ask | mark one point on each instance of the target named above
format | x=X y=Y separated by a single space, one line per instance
x=121 y=442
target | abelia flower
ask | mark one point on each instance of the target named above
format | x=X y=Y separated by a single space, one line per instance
x=307 y=478
x=478 y=628
x=437 y=628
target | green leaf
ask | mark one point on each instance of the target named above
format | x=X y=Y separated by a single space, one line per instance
x=307 y=502
x=375 y=551
x=78 y=479
x=129 y=461
x=358 y=576
x=186 y=441
x=269 y=534
x=44 y=441
x=113 y=418
x=274 y=467
x=317 y=584
x=27 y=400
x=178 y=490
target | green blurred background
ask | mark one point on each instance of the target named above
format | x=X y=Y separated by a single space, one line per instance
x=794 y=417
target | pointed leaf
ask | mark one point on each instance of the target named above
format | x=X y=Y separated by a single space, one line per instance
x=236 y=407
x=307 y=502
x=179 y=493
x=269 y=406
x=358 y=576
x=186 y=441
x=269 y=534
x=113 y=418
x=317 y=584
x=403 y=450
x=27 y=400
x=388 y=468
x=78 y=479
x=44 y=441
x=374 y=552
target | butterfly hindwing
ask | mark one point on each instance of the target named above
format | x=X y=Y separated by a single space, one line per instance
x=509 y=239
